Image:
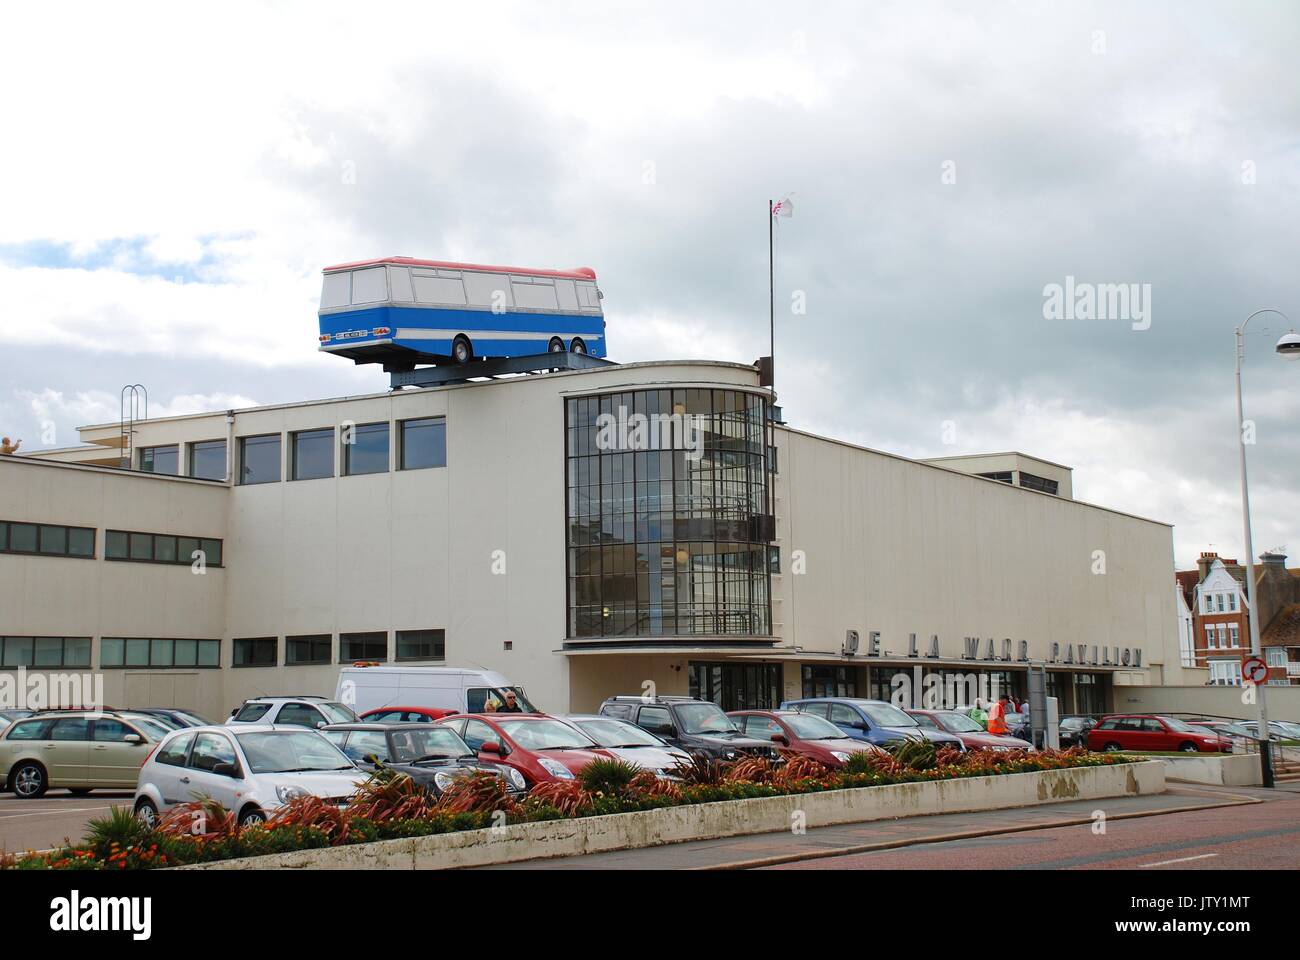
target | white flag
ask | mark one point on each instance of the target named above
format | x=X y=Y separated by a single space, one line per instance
x=783 y=208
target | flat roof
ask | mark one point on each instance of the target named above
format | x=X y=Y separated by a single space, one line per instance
x=1005 y=453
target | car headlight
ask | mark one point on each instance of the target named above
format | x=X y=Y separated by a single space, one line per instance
x=555 y=768
x=285 y=794
x=841 y=757
x=443 y=780
x=516 y=778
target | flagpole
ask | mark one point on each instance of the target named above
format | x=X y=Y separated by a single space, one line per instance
x=771 y=298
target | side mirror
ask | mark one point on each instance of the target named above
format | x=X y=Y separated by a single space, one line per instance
x=226 y=769
x=781 y=738
x=134 y=738
x=490 y=746
x=320 y=724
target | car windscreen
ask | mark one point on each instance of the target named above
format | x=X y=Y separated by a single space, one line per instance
x=618 y=733
x=290 y=752
x=193 y=719
x=958 y=723
x=883 y=715
x=154 y=727
x=808 y=727
x=418 y=741
x=544 y=734
x=1180 y=726
x=337 y=712
x=703 y=718
x=925 y=720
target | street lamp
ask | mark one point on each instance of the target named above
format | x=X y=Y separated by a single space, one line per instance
x=1288 y=347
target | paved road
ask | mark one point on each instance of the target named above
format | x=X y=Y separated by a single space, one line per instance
x=1140 y=831
x=41 y=824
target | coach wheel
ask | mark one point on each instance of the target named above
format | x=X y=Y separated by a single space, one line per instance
x=577 y=346
x=1188 y=747
x=555 y=346
x=1111 y=748
x=146 y=813
x=461 y=351
x=30 y=781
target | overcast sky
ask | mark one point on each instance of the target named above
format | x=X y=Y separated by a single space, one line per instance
x=174 y=179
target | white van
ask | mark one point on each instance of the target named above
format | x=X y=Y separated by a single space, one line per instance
x=444 y=688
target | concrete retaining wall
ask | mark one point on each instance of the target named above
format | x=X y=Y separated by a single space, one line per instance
x=1242 y=770
x=560 y=838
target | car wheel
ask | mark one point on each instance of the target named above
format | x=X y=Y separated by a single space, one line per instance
x=79 y=791
x=577 y=346
x=29 y=781
x=1111 y=748
x=146 y=813
x=1189 y=747
x=555 y=346
x=251 y=817
x=461 y=351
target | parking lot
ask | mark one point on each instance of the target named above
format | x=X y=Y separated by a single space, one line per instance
x=40 y=824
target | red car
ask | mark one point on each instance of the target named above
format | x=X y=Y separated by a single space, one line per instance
x=972 y=735
x=1153 y=732
x=405 y=714
x=806 y=734
x=542 y=748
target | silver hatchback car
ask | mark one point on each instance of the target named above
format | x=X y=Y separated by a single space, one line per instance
x=249 y=769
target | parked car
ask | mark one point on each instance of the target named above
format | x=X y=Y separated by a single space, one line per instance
x=433 y=756
x=803 y=733
x=541 y=748
x=1154 y=733
x=970 y=732
x=180 y=718
x=1018 y=726
x=690 y=724
x=873 y=721
x=368 y=686
x=405 y=714
x=81 y=750
x=250 y=769
x=1073 y=731
x=1278 y=730
x=627 y=741
x=304 y=711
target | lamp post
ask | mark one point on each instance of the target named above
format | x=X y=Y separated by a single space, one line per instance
x=1289 y=348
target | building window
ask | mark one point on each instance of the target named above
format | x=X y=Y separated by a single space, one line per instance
x=1002 y=476
x=667 y=541
x=1223 y=636
x=208 y=460
x=129 y=652
x=259 y=459
x=1209 y=603
x=773 y=560
x=1225 y=673
x=47 y=539
x=1234 y=635
x=313 y=454
x=1031 y=482
x=256 y=652
x=421 y=645
x=1219 y=599
x=365 y=449
x=162 y=548
x=1232 y=602
x=773 y=465
x=44 y=651
x=1209 y=635
x=829 y=681
x=363 y=646
x=1276 y=656
x=424 y=443
x=160 y=459
x=312 y=648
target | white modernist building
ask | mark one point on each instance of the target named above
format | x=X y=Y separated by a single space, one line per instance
x=584 y=532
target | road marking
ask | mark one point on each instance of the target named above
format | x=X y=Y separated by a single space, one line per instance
x=46 y=813
x=1164 y=863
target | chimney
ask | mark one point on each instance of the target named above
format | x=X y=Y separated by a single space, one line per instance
x=1205 y=562
x=1273 y=558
